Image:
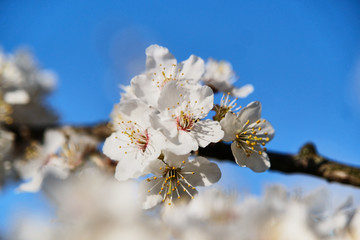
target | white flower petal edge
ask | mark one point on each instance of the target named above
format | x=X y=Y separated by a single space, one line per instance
x=176 y=178
x=243 y=91
x=156 y=55
x=249 y=134
x=35 y=170
x=162 y=68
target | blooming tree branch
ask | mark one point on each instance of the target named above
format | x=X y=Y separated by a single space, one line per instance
x=307 y=161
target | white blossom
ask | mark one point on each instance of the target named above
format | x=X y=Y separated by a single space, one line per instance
x=249 y=134
x=162 y=68
x=134 y=143
x=181 y=111
x=176 y=178
x=61 y=152
x=220 y=76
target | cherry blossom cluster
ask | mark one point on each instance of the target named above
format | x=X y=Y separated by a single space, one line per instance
x=88 y=210
x=162 y=119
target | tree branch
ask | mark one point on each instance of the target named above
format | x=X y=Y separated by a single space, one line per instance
x=307 y=161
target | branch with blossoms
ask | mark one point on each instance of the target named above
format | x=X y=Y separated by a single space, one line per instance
x=161 y=134
x=307 y=161
x=159 y=129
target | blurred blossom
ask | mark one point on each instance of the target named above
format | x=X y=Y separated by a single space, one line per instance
x=93 y=205
x=24 y=86
x=220 y=76
x=63 y=151
x=6 y=144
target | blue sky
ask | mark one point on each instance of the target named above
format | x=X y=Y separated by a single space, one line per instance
x=303 y=57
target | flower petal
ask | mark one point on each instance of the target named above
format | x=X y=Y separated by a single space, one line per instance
x=242 y=92
x=157 y=55
x=207 y=131
x=145 y=89
x=192 y=68
x=251 y=112
x=230 y=125
x=256 y=162
x=206 y=173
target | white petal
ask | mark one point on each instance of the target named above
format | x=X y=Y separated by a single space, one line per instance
x=242 y=92
x=164 y=124
x=256 y=162
x=267 y=128
x=251 y=112
x=230 y=125
x=17 y=97
x=149 y=192
x=151 y=201
x=33 y=185
x=133 y=110
x=170 y=96
x=206 y=173
x=57 y=167
x=157 y=55
x=129 y=169
x=53 y=140
x=175 y=160
x=187 y=143
x=115 y=147
x=145 y=89
x=207 y=131
x=205 y=100
x=192 y=68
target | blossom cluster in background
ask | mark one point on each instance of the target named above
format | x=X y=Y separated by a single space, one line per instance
x=86 y=209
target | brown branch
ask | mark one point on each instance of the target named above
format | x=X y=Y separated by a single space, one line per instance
x=306 y=162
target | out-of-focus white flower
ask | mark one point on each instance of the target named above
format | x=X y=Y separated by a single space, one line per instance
x=24 y=86
x=249 y=134
x=162 y=68
x=176 y=178
x=213 y=214
x=17 y=97
x=134 y=143
x=343 y=223
x=220 y=76
x=180 y=113
x=6 y=143
x=42 y=160
x=92 y=205
x=59 y=154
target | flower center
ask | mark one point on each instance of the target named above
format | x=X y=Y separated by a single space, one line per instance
x=136 y=135
x=163 y=79
x=185 y=122
x=174 y=183
x=143 y=140
x=250 y=137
